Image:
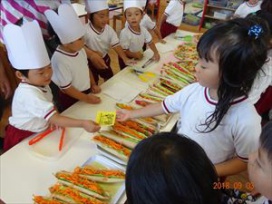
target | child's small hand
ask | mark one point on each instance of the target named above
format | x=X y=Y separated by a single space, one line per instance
x=95 y=88
x=162 y=41
x=156 y=57
x=98 y=61
x=92 y=99
x=138 y=55
x=123 y=115
x=90 y=126
x=129 y=62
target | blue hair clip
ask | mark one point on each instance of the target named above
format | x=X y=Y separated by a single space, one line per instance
x=255 y=31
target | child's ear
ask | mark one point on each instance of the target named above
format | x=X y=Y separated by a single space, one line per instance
x=20 y=76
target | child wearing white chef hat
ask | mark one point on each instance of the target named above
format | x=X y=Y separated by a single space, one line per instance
x=100 y=37
x=147 y=23
x=69 y=61
x=32 y=107
x=133 y=37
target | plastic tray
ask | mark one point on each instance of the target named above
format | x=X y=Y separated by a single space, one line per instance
x=116 y=190
x=48 y=147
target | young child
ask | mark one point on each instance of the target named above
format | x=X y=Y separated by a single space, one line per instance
x=172 y=17
x=32 y=107
x=260 y=164
x=250 y=6
x=69 y=61
x=100 y=37
x=148 y=24
x=134 y=37
x=164 y=169
x=215 y=111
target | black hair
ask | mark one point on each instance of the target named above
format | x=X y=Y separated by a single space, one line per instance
x=266 y=5
x=91 y=17
x=266 y=140
x=266 y=16
x=240 y=55
x=170 y=168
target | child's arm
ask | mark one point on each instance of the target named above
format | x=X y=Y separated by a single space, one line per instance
x=231 y=167
x=148 y=111
x=119 y=50
x=63 y=121
x=95 y=58
x=136 y=55
x=88 y=98
x=154 y=49
x=158 y=33
x=94 y=87
x=163 y=19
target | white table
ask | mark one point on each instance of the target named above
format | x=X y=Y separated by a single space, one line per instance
x=23 y=174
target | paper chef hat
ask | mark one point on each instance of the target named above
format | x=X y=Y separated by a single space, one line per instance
x=92 y=6
x=143 y=3
x=25 y=46
x=66 y=23
x=133 y=3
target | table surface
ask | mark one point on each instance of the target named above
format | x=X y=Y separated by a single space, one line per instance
x=23 y=174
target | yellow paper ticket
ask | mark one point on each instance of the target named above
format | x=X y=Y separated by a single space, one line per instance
x=106 y=118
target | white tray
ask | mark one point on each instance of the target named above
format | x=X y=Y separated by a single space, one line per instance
x=110 y=156
x=48 y=147
x=116 y=190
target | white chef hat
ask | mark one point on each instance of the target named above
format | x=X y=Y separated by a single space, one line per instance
x=133 y=3
x=143 y=3
x=92 y=6
x=66 y=23
x=25 y=46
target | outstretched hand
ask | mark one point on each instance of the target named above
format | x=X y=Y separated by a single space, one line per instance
x=123 y=115
x=90 y=126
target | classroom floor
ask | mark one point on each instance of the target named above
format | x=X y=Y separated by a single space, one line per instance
x=241 y=179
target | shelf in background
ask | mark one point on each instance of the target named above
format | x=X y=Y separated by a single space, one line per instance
x=221 y=7
x=212 y=17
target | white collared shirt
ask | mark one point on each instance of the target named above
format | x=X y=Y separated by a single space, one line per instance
x=134 y=41
x=32 y=107
x=100 y=41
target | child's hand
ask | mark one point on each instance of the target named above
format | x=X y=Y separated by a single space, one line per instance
x=98 y=61
x=162 y=41
x=95 y=88
x=138 y=55
x=90 y=126
x=92 y=99
x=123 y=115
x=156 y=57
x=129 y=62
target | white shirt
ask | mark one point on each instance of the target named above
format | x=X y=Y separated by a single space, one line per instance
x=32 y=107
x=134 y=41
x=100 y=41
x=238 y=133
x=146 y=22
x=174 y=12
x=70 y=69
x=245 y=8
x=261 y=82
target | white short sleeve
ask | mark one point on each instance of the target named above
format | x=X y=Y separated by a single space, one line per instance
x=261 y=82
x=147 y=35
x=124 y=39
x=62 y=76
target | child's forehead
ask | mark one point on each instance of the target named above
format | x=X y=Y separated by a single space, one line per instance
x=133 y=10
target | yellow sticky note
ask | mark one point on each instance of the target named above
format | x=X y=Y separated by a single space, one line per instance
x=106 y=118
